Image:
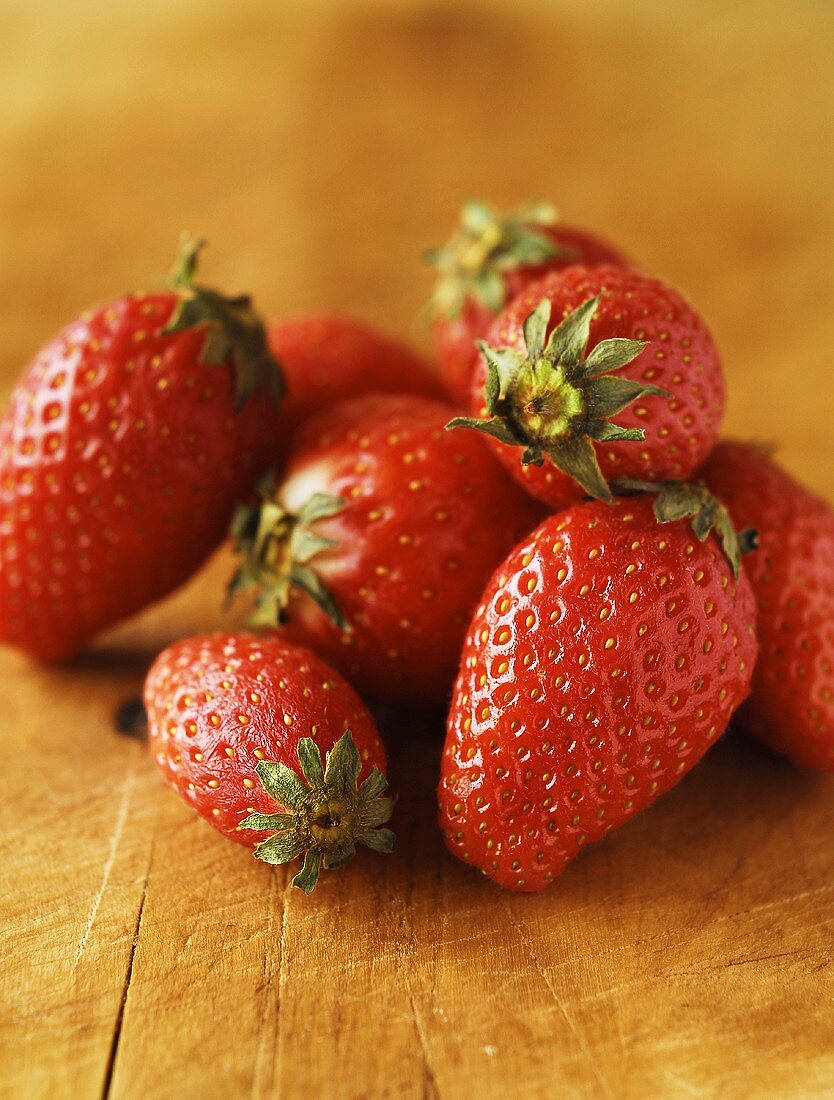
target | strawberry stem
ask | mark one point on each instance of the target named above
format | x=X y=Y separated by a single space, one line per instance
x=676 y=500
x=485 y=245
x=233 y=330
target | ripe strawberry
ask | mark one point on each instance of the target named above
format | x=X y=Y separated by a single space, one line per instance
x=607 y=655
x=392 y=525
x=230 y=719
x=791 y=705
x=327 y=358
x=488 y=261
x=553 y=396
x=124 y=450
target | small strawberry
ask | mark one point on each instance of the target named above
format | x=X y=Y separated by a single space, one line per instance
x=791 y=705
x=233 y=718
x=327 y=358
x=548 y=399
x=376 y=545
x=488 y=261
x=124 y=450
x=607 y=655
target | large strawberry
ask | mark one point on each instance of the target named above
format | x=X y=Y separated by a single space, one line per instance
x=487 y=262
x=234 y=718
x=124 y=450
x=377 y=544
x=327 y=357
x=607 y=655
x=549 y=385
x=791 y=705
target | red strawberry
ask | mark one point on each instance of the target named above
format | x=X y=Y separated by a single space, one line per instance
x=548 y=400
x=124 y=450
x=791 y=706
x=607 y=655
x=488 y=261
x=327 y=358
x=392 y=525
x=233 y=718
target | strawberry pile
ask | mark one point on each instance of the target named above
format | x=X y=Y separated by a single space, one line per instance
x=545 y=537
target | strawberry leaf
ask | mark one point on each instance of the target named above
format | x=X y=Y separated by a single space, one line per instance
x=308 y=876
x=343 y=765
x=309 y=758
x=381 y=840
x=282 y=783
x=281 y=848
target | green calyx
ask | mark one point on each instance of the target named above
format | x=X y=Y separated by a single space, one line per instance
x=276 y=549
x=555 y=402
x=232 y=327
x=326 y=812
x=483 y=248
x=675 y=500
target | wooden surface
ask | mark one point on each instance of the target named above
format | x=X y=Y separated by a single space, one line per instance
x=321 y=147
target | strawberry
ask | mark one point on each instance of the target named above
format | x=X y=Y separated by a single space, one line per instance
x=607 y=655
x=487 y=262
x=327 y=358
x=548 y=399
x=376 y=545
x=791 y=705
x=123 y=452
x=234 y=718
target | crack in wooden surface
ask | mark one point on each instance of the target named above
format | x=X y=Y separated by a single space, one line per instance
x=266 y=1050
x=430 y=1090
x=118 y=1026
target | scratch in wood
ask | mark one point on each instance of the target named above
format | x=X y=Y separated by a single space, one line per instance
x=687 y=1086
x=583 y=1046
x=282 y=976
x=756 y=959
x=120 y=1015
x=115 y=838
x=777 y=903
x=430 y=1089
x=268 y=974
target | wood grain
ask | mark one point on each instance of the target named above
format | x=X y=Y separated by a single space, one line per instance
x=321 y=146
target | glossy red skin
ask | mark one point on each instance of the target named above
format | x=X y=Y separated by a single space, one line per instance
x=327 y=357
x=791 y=706
x=121 y=460
x=681 y=358
x=429 y=513
x=455 y=337
x=575 y=705
x=219 y=704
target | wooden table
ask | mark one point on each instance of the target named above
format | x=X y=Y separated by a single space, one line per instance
x=321 y=146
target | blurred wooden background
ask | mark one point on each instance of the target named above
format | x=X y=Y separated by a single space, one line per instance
x=321 y=146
